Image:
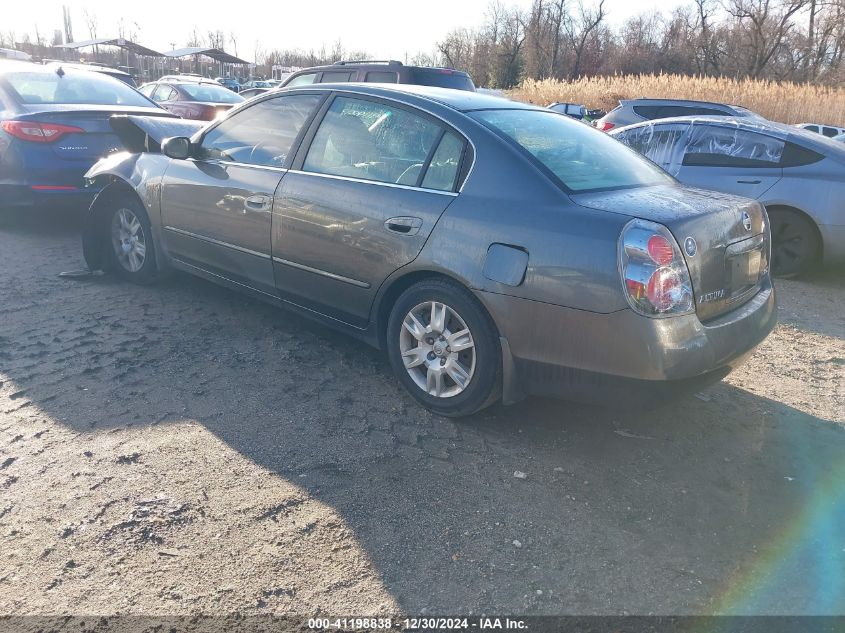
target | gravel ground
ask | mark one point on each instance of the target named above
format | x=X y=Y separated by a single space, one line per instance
x=181 y=449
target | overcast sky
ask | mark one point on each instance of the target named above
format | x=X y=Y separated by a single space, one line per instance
x=384 y=28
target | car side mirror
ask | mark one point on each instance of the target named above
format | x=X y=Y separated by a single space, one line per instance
x=177 y=147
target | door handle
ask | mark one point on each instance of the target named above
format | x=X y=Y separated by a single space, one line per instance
x=258 y=203
x=404 y=225
x=748 y=182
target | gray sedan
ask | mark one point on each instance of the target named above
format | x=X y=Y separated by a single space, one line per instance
x=799 y=176
x=493 y=249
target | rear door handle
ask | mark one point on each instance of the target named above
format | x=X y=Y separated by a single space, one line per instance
x=748 y=182
x=404 y=225
x=258 y=203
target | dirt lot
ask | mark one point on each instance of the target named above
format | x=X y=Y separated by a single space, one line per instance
x=181 y=449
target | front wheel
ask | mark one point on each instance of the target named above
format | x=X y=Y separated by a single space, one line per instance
x=795 y=243
x=444 y=348
x=131 y=252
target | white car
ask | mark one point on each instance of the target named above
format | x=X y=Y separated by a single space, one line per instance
x=819 y=128
x=799 y=176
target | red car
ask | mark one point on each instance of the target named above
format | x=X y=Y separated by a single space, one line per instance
x=191 y=98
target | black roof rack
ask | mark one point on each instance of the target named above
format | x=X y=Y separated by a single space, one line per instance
x=389 y=62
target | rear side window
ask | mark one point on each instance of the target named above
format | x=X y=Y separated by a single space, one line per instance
x=72 y=87
x=441 y=78
x=796 y=156
x=336 y=77
x=303 y=80
x=716 y=146
x=164 y=93
x=443 y=169
x=372 y=141
x=381 y=77
x=830 y=131
x=580 y=157
x=667 y=111
x=262 y=134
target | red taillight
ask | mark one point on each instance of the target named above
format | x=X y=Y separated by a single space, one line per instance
x=604 y=126
x=663 y=289
x=660 y=250
x=656 y=278
x=38 y=132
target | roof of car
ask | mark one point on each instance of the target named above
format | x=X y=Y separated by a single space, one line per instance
x=387 y=65
x=813 y=140
x=643 y=100
x=461 y=100
x=106 y=70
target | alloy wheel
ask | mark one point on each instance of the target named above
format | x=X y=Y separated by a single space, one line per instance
x=128 y=240
x=437 y=349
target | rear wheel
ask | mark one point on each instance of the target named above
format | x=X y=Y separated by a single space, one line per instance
x=795 y=243
x=444 y=349
x=131 y=252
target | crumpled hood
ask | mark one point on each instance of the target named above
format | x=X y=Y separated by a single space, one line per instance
x=146 y=133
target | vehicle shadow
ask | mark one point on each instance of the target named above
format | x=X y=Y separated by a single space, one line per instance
x=543 y=507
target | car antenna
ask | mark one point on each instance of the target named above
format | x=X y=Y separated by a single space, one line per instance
x=60 y=71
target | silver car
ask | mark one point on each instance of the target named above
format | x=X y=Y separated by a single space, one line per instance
x=492 y=248
x=630 y=111
x=799 y=176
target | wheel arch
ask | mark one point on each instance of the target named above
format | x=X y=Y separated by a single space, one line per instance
x=95 y=239
x=793 y=209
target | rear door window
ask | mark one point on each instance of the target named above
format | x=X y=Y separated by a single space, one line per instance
x=262 y=134
x=830 y=131
x=372 y=141
x=659 y=143
x=336 y=77
x=303 y=80
x=717 y=146
x=381 y=77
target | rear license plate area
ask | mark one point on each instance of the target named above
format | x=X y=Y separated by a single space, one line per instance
x=746 y=263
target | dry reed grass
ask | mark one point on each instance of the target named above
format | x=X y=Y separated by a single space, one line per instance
x=778 y=101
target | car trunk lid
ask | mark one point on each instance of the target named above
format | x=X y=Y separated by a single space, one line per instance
x=723 y=238
x=97 y=138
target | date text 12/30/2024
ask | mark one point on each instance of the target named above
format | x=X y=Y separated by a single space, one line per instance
x=413 y=624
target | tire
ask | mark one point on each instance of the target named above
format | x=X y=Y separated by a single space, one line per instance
x=467 y=378
x=796 y=247
x=130 y=248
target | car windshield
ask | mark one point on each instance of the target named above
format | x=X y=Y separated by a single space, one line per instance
x=210 y=92
x=73 y=88
x=442 y=79
x=580 y=157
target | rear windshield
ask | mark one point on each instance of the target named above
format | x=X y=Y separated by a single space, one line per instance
x=210 y=92
x=579 y=156
x=73 y=88
x=441 y=79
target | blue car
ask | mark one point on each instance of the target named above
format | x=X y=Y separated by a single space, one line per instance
x=54 y=125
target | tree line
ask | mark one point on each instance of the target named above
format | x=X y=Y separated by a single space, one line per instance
x=796 y=40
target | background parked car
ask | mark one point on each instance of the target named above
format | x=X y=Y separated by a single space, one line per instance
x=799 y=176
x=819 y=128
x=229 y=82
x=390 y=72
x=54 y=124
x=574 y=110
x=199 y=100
x=631 y=111
x=493 y=248
x=258 y=83
x=248 y=93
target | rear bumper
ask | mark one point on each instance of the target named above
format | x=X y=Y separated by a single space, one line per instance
x=592 y=357
x=25 y=197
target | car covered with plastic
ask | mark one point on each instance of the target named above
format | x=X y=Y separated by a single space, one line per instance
x=798 y=175
x=493 y=249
